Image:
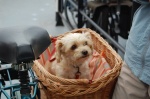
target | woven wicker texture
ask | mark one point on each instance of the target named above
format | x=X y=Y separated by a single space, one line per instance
x=102 y=88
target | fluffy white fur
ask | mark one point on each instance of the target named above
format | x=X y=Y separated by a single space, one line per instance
x=72 y=51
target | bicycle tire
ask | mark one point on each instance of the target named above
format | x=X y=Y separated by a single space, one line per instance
x=66 y=9
x=73 y=18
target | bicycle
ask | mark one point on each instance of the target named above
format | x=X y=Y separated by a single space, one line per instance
x=71 y=13
x=19 y=47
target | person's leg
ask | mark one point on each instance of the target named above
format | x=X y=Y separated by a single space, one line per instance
x=129 y=86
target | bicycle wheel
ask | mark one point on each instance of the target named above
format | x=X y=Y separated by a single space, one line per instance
x=70 y=14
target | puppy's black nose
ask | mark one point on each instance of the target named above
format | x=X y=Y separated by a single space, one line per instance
x=84 y=52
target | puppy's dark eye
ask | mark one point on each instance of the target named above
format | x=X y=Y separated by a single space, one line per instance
x=85 y=43
x=73 y=47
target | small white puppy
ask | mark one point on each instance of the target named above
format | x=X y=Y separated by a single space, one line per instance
x=73 y=54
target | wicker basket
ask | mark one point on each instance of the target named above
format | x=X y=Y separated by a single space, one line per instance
x=102 y=88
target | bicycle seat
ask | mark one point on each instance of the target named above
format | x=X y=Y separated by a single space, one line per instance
x=22 y=44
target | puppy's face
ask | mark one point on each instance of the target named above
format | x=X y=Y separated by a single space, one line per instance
x=74 y=47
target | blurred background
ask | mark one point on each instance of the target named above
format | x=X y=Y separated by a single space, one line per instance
x=59 y=16
x=109 y=18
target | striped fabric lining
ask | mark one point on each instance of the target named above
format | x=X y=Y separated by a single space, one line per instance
x=98 y=65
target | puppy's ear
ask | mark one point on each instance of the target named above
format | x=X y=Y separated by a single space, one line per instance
x=87 y=34
x=59 y=45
